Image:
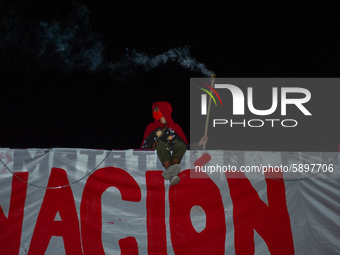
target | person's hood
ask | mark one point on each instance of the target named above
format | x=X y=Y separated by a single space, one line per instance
x=166 y=110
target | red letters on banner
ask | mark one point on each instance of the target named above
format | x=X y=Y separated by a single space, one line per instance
x=205 y=193
x=249 y=212
x=91 y=206
x=62 y=201
x=155 y=209
x=11 y=227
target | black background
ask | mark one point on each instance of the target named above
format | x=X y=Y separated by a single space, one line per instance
x=47 y=102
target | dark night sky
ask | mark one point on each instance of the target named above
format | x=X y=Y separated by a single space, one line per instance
x=59 y=89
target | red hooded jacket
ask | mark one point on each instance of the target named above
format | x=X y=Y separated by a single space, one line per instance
x=166 y=110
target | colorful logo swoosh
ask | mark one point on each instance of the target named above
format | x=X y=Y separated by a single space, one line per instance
x=208 y=92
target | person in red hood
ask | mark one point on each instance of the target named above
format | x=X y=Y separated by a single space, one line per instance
x=164 y=135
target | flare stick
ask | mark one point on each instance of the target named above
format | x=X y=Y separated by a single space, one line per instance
x=213 y=76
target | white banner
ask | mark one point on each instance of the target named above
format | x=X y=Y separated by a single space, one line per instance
x=81 y=201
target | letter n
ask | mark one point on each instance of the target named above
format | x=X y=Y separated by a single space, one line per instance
x=11 y=227
x=250 y=212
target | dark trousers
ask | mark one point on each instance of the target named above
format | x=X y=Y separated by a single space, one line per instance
x=163 y=151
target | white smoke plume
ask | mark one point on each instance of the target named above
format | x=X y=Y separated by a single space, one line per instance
x=179 y=55
x=74 y=46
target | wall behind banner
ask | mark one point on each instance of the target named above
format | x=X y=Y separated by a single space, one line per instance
x=77 y=201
